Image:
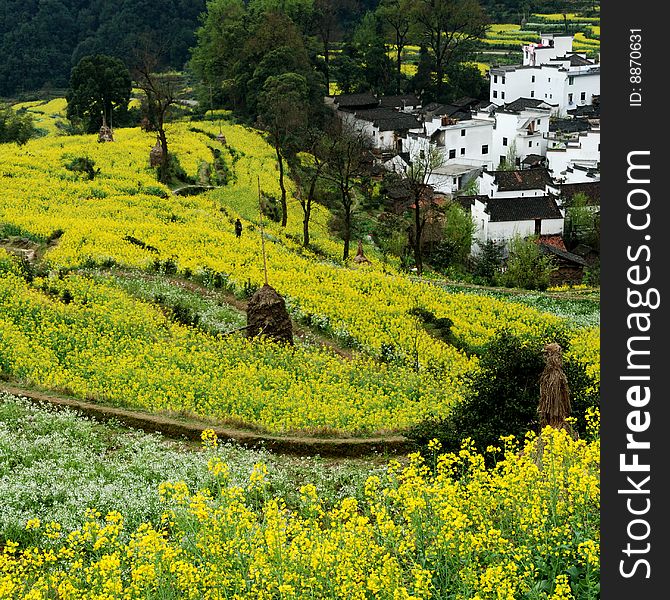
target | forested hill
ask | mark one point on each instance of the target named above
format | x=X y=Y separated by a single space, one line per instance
x=41 y=40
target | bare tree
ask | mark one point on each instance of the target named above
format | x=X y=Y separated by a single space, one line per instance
x=425 y=159
x=346 y=162
x=161 y=91
x=307 y=175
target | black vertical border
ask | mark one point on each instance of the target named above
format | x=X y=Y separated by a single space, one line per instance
x=627 y=128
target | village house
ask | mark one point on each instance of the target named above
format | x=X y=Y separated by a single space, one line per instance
x=550 y=72
x=514 y=184
x=502 y=219
x=573 y=152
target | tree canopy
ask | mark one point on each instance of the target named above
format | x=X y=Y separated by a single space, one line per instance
x=99 y=91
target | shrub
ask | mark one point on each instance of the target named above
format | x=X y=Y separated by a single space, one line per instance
x=527 y=267
x=501 y=399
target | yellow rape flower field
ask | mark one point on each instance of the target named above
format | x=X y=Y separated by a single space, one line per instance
x=106 y=345
x=519 y=521
x=436 y=528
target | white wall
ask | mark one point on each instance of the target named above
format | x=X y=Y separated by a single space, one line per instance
x=504 y=231
x=584 y=149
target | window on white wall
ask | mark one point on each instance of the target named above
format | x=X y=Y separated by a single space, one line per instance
x=462 y=151
x=452 y=153
x=504 y=141
x=502 y=95
x=532 y=79
x=570 y=98
x=495 y=94
x=583 y=96
x=485 y=149
x=532 y=93
x=462 y=132
x=571 y=80
x=495 y=79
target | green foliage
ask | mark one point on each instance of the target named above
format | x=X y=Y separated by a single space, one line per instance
x=15 y=126
x=582 y=223
x=41 y=41
x=503 y=396
x=488 y=263
x=527 y=267
x=84 y=165
x=99 y=91
x=454 y=248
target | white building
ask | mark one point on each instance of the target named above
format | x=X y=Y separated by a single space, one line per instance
x=514 y=184
x=550 y=72
x=574 y=156
x=520 y=130
x=551 y=45
x=502 y=219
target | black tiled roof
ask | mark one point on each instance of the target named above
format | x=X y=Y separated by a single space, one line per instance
x=388 y=119
x=399 y=101
x=446 y=110
x=575 y=60
x=569 y=125
x=533 y=159
x=527 y=179
x=590 y=189
x=525 y=208
x=356 y=100
x=587 y=110
x=522 y=103
x=564 y=254
x=467 y=201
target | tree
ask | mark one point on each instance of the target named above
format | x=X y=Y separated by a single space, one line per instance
x=346 y=162
x=283 y=105
x=422 y=82
x=458 y=231
x=448 y=28
x=582 y=223
x=160 y=90
x=15 y=126
x=509 y=164
x=416 y=174
x=488 y=263
x=99 y=92
x=395 y=15
x=307 y=173
x=527 y=267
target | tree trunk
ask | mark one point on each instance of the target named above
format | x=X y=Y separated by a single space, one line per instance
x=439 y=76
x=284 y=208
x=326 y=60
x=418 y=231
x=399 y=54
x=307 y=211
x=347 y=222
x=164 y=170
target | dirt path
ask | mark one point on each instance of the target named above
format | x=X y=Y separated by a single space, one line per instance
x=192 y=429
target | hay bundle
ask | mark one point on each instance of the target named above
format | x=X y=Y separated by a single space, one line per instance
x=554 y=407
x=267 y=315
x=360 y=258
x=105 y=134
x=156 y=154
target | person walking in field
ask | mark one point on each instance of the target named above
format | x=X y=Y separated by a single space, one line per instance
x=238 y=228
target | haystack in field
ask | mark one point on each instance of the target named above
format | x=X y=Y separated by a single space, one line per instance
x=267 y=315
x=156 y=154
x=360 y=258
x=554 y=407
